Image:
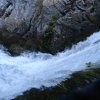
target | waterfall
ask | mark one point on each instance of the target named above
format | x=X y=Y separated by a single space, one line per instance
x=33 y=70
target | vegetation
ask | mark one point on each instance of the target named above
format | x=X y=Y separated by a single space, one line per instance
x=49 y=34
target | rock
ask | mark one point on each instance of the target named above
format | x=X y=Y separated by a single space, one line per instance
x=77 y=24
x=65 y=21
x=24 y=20
x=77 y=81
x=97 y=10
x=91 y=92
x=2 y=25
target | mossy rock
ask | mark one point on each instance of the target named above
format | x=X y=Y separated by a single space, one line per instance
x=77 y=80
x=48 y=36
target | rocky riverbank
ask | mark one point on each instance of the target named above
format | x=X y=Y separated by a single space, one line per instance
x=76 y=82
x=46 y=26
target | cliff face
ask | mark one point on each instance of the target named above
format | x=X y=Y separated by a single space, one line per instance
x=25 y=16
x=79 y=21
x=46 y=25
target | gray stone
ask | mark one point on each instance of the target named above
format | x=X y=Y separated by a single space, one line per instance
x=29 y=20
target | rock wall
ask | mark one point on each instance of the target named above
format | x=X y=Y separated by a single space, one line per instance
x=46 y=25
x=79 y=22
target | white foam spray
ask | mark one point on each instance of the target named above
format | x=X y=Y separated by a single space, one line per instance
x=31 y=70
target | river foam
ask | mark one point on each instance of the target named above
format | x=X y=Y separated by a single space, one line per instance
x=33 y=70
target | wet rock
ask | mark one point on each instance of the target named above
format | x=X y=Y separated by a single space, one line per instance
x=77 y=81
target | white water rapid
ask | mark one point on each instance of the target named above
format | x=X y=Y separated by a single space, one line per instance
x=31 y=70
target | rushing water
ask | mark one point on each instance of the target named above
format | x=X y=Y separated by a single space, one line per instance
x=31 y=70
